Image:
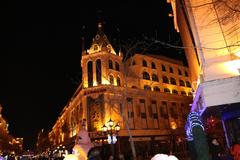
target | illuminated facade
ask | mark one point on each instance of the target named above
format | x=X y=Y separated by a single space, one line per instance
x=42 y=141
x=151 y=91
x=8 y=143
x=210 y=34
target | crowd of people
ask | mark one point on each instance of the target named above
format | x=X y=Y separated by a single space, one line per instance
x=219 y=152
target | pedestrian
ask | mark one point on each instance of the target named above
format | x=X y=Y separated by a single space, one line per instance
x=121 y=156
x=227 y=155
x=215 y=149
x=95 y=153
x=111 y=157
x=235 y=151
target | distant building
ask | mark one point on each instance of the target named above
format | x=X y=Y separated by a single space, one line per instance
x=210 y=35
x=42 y=144
x=8 y=143
x=156 y=92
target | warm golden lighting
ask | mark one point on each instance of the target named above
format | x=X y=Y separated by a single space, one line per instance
x=110 y=123
x=173 y=125
x=117 y=128
x=104 y=128
x=94 y=83
x=105 y=81
x=232 y=67
x=62 y=137
x=238 y=53
x=70 y=157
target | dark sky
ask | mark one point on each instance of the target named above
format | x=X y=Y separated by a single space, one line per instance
x=41 y=51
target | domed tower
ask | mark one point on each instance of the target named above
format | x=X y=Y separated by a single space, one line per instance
x=101 y=65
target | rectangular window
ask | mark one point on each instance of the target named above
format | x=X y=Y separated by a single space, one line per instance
x=175 y=113
x=165 y=110
x=161 y=111
x=150 y=111
x=143 y=113
x=130 y=113
x=171 y=112
x=154 y=114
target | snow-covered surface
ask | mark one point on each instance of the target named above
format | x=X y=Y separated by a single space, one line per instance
x=164 y=157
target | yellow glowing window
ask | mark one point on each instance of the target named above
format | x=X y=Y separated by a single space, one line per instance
x=95 y=48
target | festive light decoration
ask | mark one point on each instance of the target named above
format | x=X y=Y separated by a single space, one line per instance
x=211 y=123
x=193 y=120
x=196 y=136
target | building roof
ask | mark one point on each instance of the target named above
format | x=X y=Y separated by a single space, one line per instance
x=100 y=42
x=160 y=57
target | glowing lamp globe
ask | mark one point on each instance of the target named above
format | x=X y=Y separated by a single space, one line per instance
x=110 y=123
x=117 y=128
x=104 y=128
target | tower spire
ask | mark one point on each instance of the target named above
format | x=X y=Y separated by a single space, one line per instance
x=100 y=25
x=100 y=20
x=84 y=52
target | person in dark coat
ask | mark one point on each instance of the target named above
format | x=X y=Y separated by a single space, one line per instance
x=215 y=149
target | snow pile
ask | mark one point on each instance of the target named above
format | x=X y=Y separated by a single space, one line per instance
x=164 y=157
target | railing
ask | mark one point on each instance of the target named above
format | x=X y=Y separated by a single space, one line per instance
x=96 y=134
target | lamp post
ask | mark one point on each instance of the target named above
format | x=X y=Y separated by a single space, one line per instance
x=112 y=131
x=173 y=126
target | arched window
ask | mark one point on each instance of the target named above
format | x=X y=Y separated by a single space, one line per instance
x=181 y=83
x=90 y=73
x=146 y=76
x=95 y=47
x=153 y=65
x=173 y=81
x=165 y=79
x=157 y=89
x=163 y=68
x=109 y=48
x=155 y=77
x=190 y=94
x=110 y=64
x=183 y=93
x=179 y=72
x=111 y=79
x=174 y=91
x=166 y=90
x=144 y=63
x=170 y=69
x=133 y=62
x=99 y=71
x=186 y=74
x=188 y=84
x=147 y=87
x=118 y=81
x=117 y=66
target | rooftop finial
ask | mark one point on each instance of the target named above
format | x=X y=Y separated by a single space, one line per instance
x=100 y=19
x=99 y=25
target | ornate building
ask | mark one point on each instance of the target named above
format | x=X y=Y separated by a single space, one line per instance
x=42 y=142
x=148 y=92
x=8 y=144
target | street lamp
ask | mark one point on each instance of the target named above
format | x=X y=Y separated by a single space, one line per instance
x=173 y=126
x=110 y=123
x=112 y=131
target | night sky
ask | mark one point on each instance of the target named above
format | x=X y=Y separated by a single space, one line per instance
x=41 y=52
